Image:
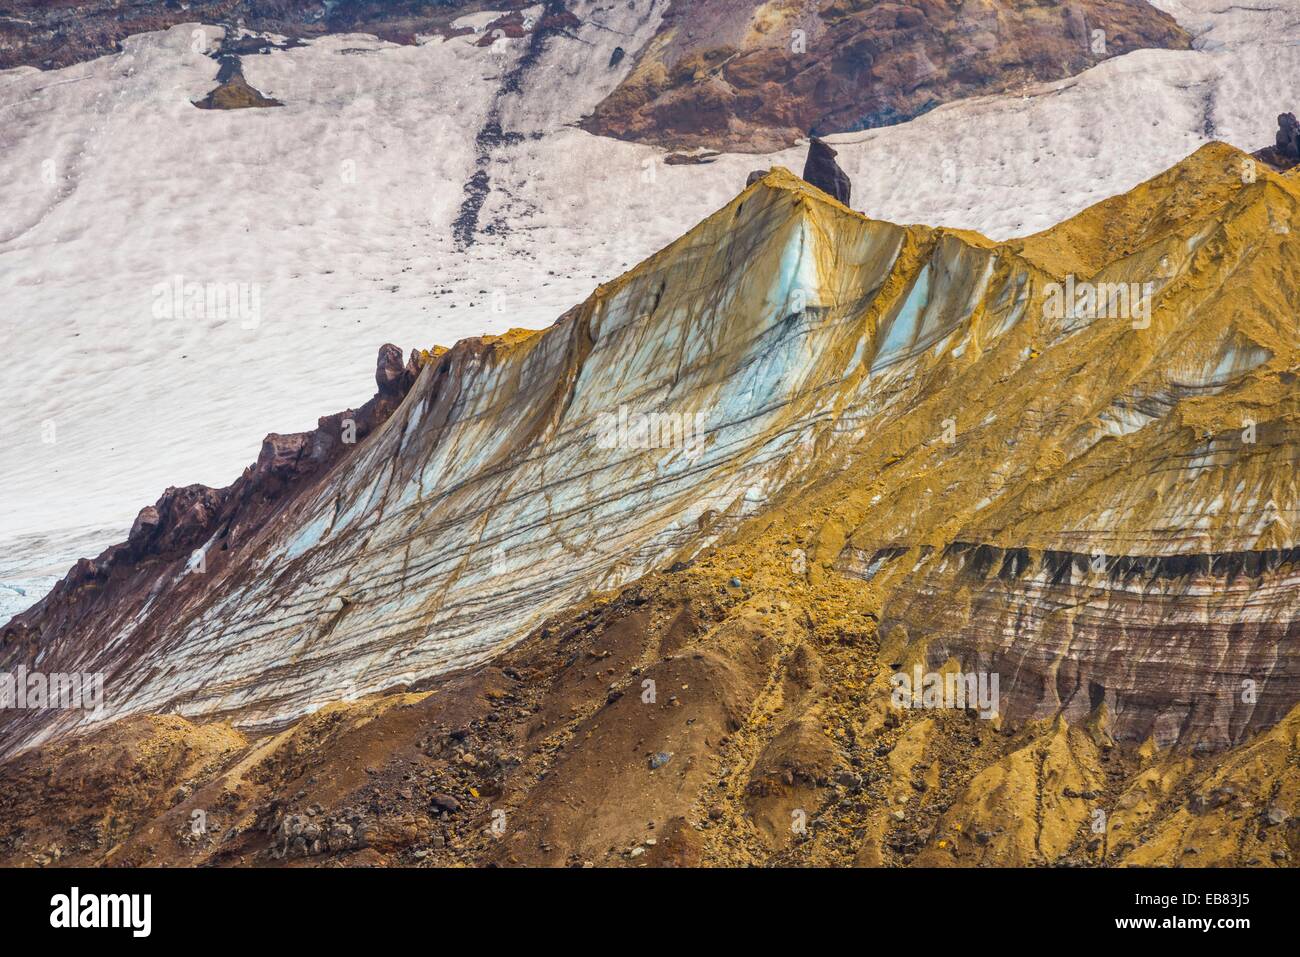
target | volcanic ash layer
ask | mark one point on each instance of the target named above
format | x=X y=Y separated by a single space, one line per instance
x=500 y=628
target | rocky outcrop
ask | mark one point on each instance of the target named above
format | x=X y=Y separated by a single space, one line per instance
x=1285 y=151
x=822 y=171
x=1288 y=137
x=191 y=531
x=233 y=92
x=754 y=77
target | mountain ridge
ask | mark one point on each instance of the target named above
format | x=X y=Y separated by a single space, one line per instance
x=575 y=328
x=909 y=462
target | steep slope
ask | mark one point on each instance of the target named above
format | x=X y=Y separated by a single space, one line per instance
x=486 y=502
x=908 y=457
x=750 y=77
x=345 y=207
x=788 y=342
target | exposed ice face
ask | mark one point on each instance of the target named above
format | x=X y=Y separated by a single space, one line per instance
x=339 y=208
x=491 y=498
x=523 y=474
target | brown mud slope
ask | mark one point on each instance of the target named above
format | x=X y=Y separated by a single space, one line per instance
x=914 y=462
x=755 y=76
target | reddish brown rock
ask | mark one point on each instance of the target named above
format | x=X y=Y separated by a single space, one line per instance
x=183 y=520
x=740 y=75
x=391 y=377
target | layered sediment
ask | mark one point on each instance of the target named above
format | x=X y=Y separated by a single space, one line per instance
x=663 y=560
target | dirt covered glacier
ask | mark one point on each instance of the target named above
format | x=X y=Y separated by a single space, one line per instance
x=485 y=633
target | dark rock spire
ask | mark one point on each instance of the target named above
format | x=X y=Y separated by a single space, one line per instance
x=822 y=171
x=1288 y=137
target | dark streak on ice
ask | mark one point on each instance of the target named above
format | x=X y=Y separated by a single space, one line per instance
x=491 y=136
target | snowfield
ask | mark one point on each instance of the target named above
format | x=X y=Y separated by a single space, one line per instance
x=175 y=283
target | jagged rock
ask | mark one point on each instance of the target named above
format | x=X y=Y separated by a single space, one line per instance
x=822 y=171
x=187 y=519
x=390 y=373
x=1288 y=137
x=1285 y=151
x=144 y=525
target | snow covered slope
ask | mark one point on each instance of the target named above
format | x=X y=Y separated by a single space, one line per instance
x=334 y=222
